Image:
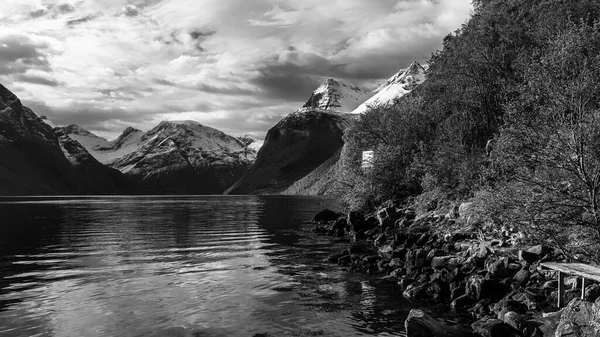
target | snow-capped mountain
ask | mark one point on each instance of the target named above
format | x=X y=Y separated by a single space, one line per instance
x=302 y=140
x=186 y=157
x=337 y=96
x=251 y=142
x=35 y=160
x=397 y=86
x=173 y=157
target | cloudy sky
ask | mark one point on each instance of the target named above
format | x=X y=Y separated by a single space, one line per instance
x=237 y=65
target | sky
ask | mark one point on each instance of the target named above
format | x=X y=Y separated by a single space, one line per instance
x=236 y=65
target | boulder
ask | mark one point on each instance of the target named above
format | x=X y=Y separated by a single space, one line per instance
x=440 y=262
x=415 y=291
x=461 y=302
x=579 y=318
x=419 y=324
x=540 y=250
x=497 y=269
x=528 y=256
x=491 y=327
x=478 y=288
x=515 y=320
x=386 y=217
x=522 y=276
x=592 y=292
x=507 y=305
x=325 y=216
x=357 y=223
x=386 y=251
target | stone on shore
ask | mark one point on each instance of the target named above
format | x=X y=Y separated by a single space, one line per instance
x=419 y=324
x=325 y=216
x=491 y=327
x=579 y=318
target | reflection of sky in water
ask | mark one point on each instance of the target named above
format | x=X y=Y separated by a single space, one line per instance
x=230 y=266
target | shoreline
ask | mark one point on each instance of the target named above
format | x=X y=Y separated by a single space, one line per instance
x=438 y=257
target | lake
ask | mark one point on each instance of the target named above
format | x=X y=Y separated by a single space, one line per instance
x=181 y=266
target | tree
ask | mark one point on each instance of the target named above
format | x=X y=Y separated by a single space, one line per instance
x=547 y=158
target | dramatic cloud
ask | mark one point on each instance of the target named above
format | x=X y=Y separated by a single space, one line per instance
x=239 y=66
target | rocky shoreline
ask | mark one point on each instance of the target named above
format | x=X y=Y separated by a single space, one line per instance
x=439 y=256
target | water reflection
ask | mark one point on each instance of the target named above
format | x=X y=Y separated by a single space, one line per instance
x=204 y=266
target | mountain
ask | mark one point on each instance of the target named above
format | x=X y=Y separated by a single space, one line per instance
x=175 y=157
x=33 y=161
x=397 y=86
x=103 y=150
x=336 y=96
x=303 y=140
x=251 y=143
x=293 y=148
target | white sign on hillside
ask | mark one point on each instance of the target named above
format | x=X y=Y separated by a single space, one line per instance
x=367 y=159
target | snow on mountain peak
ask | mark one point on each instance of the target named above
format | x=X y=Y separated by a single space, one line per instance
x=395 y=87
x=337 y=96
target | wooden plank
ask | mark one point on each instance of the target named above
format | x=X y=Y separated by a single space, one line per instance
x=561 y=289
x=578 y=269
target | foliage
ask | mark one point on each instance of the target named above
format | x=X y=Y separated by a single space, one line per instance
x=395 y=134
x=547 y=160
x=521 y=79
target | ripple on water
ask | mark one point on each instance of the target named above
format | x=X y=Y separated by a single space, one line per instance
x=179 y=266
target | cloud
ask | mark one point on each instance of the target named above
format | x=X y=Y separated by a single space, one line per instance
x=235 y=65
x=36 y=79
x=18 y=53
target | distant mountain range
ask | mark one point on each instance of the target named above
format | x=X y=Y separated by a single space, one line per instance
x=185 y=157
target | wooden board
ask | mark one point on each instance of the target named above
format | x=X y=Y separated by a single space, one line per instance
x=579 y=269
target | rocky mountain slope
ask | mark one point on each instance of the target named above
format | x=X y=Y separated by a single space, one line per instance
x=33 y=161
x=178 y=157
x=322 y=180
x=293 y=148
x=397 y=86
x=337 y=96
x=303 y=140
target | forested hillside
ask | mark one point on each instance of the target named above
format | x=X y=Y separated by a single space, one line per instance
x=508 y=117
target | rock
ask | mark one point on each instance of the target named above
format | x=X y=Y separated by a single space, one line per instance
x=515 y=320
x=478 y=288
x=487 y=327
x=419 y=324
x=416 y=258
x=386 y=217
x=325 y=216
x=386 y=251
x=592 y=292
x=456 y=290
x=579 y=318
x=461 y=302
x=540 y=250
x=481 y=309
x=497 y=269
x=522 y=276
x=395 y=263
x=439 y=262
x=528 y=256
x=506 y=305
x=439 y=289
x=356 y=222
x=526 y=298
x=405 y=282
x=415 y=291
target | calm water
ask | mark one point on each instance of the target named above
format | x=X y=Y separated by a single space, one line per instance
x=180 y=266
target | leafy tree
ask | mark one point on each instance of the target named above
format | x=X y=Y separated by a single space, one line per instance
x=547 y=158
